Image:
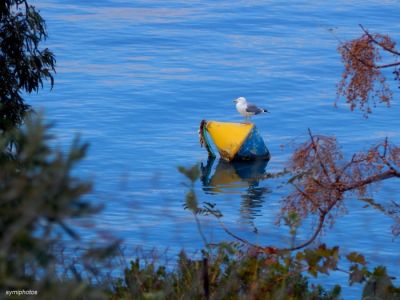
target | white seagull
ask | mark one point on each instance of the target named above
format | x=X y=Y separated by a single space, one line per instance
x=247 y=109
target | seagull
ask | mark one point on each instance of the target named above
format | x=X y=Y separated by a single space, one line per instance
x=247 y=109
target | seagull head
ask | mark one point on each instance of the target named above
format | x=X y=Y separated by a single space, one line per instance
x=240 y=100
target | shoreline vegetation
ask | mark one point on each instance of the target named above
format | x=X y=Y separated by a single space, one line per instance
x=39 y=196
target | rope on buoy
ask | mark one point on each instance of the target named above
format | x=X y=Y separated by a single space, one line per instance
x=204 y=142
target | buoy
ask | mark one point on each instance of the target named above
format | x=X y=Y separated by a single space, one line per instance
x=234 y=141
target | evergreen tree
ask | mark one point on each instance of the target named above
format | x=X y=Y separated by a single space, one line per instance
x=24 y=65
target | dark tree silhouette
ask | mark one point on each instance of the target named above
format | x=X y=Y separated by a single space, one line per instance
x=23 y=64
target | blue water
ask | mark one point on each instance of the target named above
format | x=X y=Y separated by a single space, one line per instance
x=135 y=78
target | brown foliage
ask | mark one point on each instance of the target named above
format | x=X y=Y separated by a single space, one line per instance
x=322 y=177
x=362 y=79
x=314 y=165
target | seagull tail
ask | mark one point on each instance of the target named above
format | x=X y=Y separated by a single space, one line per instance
x=265 y=110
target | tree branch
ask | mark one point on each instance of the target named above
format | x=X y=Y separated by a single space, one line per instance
x=239 y=238
x=374 y=178
x=387 y=66
x=305 y=195
x=321 y=221
x=314 y=146
x=377 y=43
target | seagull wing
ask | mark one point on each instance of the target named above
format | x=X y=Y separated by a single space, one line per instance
x=253 y=109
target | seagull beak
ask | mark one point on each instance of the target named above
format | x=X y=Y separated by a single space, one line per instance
x=235 y=101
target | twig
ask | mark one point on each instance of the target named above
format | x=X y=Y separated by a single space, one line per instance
x=373 y=66
x=385 y=160
x=314 y=146
x=379 y=44
x=339 y=176
x=203 y=237
x=321 y=221
x=239 y=238
x=305 y=195
x=387 y=65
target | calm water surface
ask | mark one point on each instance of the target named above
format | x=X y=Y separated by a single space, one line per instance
x=135 y=78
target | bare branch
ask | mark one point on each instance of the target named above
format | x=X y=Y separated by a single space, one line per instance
x=367 y=64
x=377 y=43
x=244 y=241
x=375 y=178
x=305 y=195
x=314 y=146
x=387 y=65
x=321 y=221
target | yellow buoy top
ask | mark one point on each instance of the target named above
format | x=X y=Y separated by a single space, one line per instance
x=228 y=137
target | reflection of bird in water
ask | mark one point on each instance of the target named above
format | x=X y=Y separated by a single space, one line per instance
x=229 y=177
x=247 y=109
